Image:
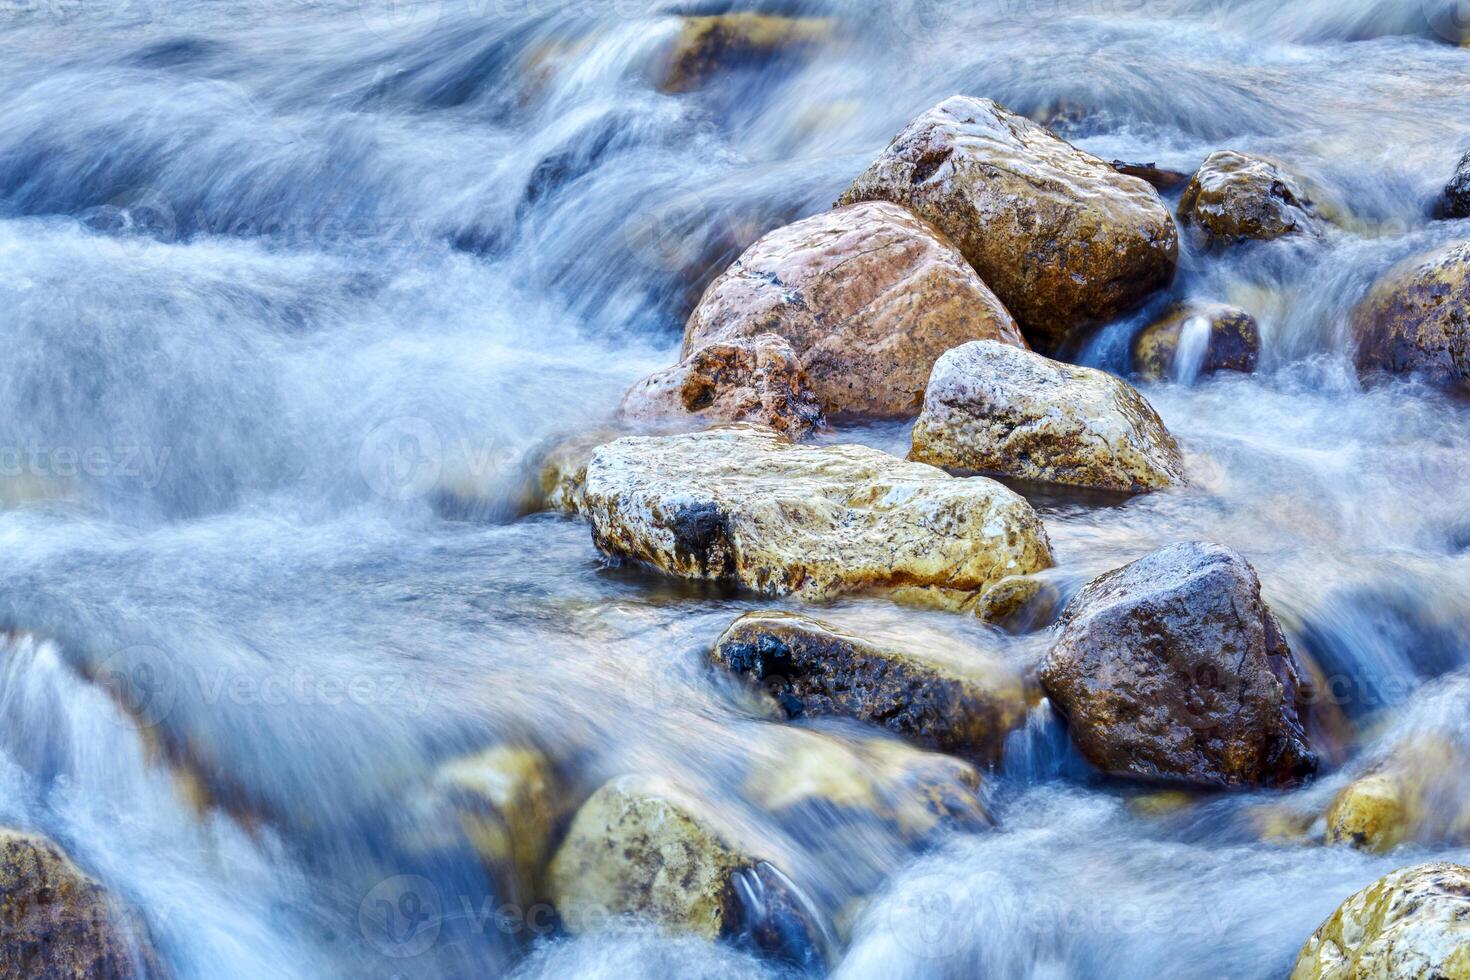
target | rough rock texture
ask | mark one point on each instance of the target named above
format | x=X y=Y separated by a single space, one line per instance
x=58 y=924
x=950 y=699
x=1414 y=922
x=997 y=409
x=1416 y=319
x=707 y=46
x=1236 y=197
x=1213 y=336
x=869 y=296
x=1419 y=792
x=757 y=379
x=1063 y=238
x=1172 y=669
x=740 y=505
x=1455 y=201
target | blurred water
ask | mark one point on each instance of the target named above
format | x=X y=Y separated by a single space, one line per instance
x=273 y=271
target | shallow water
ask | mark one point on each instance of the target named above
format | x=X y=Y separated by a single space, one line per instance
x=273 y=272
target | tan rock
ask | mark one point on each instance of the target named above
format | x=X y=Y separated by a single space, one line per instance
x=1414 y=320
x=757 y=379
x=1065 y=240
x=1236 y=197
x=1019 y=603
x=708 y=46
x=1000 y=410
x=743 y=506
x=558 y=471
x=869 y=296
x=1419 y=792
x=1211 y=336
x=1414 y=922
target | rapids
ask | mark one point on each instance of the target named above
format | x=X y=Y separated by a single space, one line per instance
x=273 y=271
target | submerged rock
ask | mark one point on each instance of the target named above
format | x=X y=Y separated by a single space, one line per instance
x=1419 y=792
x=743 y=506
x=1414 y=320
x=997 y=409
x=1235 y=197
x=1019 y=604
x=1414 y=922
x=1212 y=336
x=869 y=296
x=1064 y=239
x=757 y=379
x=1454 y=202
x=709 y=46
x=1172 y=669
x=941 y=696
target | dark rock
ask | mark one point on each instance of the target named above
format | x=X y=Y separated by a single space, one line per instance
x=1162 y=179
x=1416 y=320
x=1455 y=201
x=1232 y=342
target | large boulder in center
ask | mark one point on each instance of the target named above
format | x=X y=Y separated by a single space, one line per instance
x=1173 y=670
x=743 y=506
x=935 y=694
x=1414 y=922
x=1236 y=197
x=1416 y=320
x=1194 y=339
x=869 y=296
x=1001 y=410
x=1064 y=239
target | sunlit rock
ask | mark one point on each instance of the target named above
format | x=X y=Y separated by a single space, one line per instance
x=1414 y=320
x=939 y=695
x=743 y=506
x=1414 y=922
x=996 y=409
x=1236 y=197
x=1172 y=669
x=1419 y=792
x=1454 y=202
x=869 y=296
x=709 y=46
x=1064 y=239
x=55 y=921
x=757 y=379
x=1194 y=339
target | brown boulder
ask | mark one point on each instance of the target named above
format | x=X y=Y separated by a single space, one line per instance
x=707 y=46
x=1064 y=239
x=1236 y=197
x=1416 y=319
x=869 y=296
x=1172 y=669
x=1213 y=337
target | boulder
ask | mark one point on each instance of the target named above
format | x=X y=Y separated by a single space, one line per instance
x=1414 y=320
x=1414 y=922
x=1454 y=202
x=1173 y=670
x=1235 y=197
x=869 y=296
x=748 y=379
x=1019 y=603
x=1195 y=339
x=1001 y=410
x=708 y=46
x=1418 y=792
x=1064 y=239
x=935 y=694
x=56 y=922
x=741 y=505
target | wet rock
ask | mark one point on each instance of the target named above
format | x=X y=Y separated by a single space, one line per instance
x=944 y=697
x=709 y=46
x=1414 y=922
x=869 y=296
x=1455 y=201
x=1415 y=320
x=997 y=409
x=1064 y=239
x=1419 y=792
x=56 y=922
x=1235 y=197
x=741 y=505
x=1215 y=337
x=757 y=379
x=1172 y=669
x=1019 y=604
x=1160 y=177
x=559 y=469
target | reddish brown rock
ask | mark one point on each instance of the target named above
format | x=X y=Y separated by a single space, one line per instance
x=1416 y=320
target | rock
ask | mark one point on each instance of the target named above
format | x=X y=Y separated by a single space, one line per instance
x=1235 y=197
x=708 y=46
x=1414 y=320
x=937 y=695
x=1172 y=669
x=869 y=296
x=1419 y=792
x=56 y=922
x=1214 y=337
x=1018 y=603
x=1455 y=201
x=644 y=849
x=1065 y=240
x=757 y=379
x=560 y=469
x=1414 y=922
x=1000 y=410
x=742 y=506
x=1161 y=178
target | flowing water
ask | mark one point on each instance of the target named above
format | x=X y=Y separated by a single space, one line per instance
x=272 y=272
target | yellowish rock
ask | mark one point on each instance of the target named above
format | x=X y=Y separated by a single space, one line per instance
x=1194 y=339
x=1419 y=792
x=1413 y=320
x=1235 y=197
x=1019 y=603
x=708 y=46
